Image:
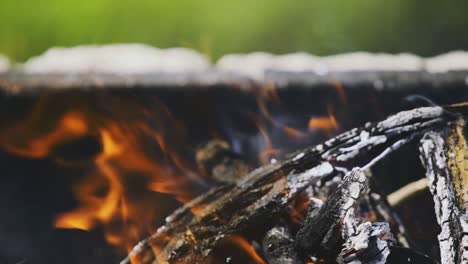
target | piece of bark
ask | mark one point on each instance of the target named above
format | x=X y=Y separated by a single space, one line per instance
x=219 y=162
x=373 y=243
x=320 y=236
x=444 y=155
x=192 y=231
x=278 y=246
x=337 y=225
x=366 y=242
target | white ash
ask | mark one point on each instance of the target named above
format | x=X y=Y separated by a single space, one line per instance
x=308 y=177
x=408 y=128
x=365 y=142
x=372 y=240
x=405 y=116
x=315 y=203
x=368 y=138
x=357 y=188
x=364 y=240
x=4 y=64
x=298 y=156
x=117 y=59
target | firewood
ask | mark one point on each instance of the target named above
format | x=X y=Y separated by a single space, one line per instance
x=445 y=156
x=192 y=231
x=320 y=235
x=336 y=230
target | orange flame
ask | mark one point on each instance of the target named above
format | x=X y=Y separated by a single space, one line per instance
x=246 y=247
x=268 y=151
x=327 y=123
x=267 y=95
x=132 y=145
x=130 y=148
x=25 y=143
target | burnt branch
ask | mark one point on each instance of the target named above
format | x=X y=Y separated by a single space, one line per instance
x=191 y=232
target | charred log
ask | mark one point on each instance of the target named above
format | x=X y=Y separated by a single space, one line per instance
x=320 y=235
x=192 y=231
x=445 y=157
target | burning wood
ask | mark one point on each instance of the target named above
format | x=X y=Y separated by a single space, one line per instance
x=336 y=231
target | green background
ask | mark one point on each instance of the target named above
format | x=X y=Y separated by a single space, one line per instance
x=214 y=27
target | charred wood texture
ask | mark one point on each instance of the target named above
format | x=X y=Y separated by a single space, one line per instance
x=320 y=235
x=191 y=232
x=278 y=245
x=444 y=154
x=337 y=223
x=366 y=242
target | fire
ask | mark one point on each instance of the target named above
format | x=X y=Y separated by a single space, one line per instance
x=135 y=176
x=25 y=142
x=94 y=208
x=246 y=248
x=326 y=123
x=268 y=151
x=131 y=174
x=269 y=95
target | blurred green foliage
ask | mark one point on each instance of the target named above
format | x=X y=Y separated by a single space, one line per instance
x=425 y=27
